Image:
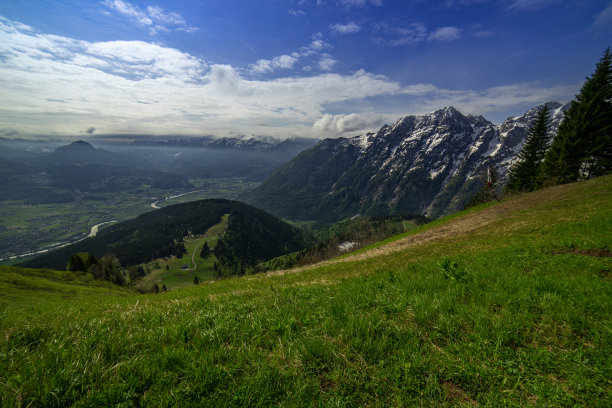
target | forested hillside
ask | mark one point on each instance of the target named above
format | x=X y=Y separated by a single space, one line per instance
x=253 y=235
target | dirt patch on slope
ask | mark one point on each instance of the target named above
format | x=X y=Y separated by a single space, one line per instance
x=465 y=224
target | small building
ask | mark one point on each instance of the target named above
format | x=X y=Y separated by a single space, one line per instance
x=185 y=266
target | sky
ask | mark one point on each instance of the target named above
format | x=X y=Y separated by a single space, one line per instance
x=285 y=68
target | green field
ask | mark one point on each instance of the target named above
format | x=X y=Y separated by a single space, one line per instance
x=25 y=228
x=502 y=305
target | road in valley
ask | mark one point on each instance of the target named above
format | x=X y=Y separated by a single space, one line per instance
x=154 y=205
x=92 y=233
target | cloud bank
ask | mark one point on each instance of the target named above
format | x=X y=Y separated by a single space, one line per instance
x=57 y=85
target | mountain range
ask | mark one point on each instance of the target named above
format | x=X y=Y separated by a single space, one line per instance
x=430 y=164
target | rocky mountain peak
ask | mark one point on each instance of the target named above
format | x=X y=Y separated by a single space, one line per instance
x=429 y=164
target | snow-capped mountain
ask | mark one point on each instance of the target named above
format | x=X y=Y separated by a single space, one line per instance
x=242 y=143
x=429 y=164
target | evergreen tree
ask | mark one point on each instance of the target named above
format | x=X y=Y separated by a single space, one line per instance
x=180 y=249
x=524 y=174
x=196 y=281
x=205 y=253
x=583 y=145
x=75 y=263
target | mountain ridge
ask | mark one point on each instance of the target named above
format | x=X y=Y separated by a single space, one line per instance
x=421 y=163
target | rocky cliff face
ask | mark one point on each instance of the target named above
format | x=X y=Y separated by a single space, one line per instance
x=429 y=164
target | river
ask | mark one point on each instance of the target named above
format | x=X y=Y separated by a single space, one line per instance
x=154 y=205
x=92 y=233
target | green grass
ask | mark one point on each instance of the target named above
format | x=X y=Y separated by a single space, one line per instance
x=174 y=277
x=511 y=312
x=22 y=286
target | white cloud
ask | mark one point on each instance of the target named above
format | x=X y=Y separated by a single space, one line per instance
x=401 y=35
x=295 y=12
x=57 y=85
x=282 y=62
x=158 y=14
x=155 y=18
x=127 y=9
x=317 y=44
x=414 y=33
x=347 y=28
x=339 y=124
x=314 y=48
x=604 y=17
x=326 y=63
x=426 y=97
x=445 y=34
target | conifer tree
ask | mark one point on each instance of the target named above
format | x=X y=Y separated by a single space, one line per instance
x=524 y=174
x=205 y=252
x=583 y=145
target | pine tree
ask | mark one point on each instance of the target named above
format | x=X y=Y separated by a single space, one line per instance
x=205 y=252
x=583 y=145
x=524 y=174
x=196 y=281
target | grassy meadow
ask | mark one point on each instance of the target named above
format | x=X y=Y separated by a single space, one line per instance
x=501 y=305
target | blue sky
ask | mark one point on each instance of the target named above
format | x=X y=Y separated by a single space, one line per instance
x=314 y=68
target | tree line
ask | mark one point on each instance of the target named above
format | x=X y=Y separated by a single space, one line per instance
x=582 y=147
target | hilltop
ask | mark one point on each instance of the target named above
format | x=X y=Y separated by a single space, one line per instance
x=501 y=305
x=251 y=236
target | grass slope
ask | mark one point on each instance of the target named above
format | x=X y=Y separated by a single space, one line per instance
x=507 y=305
x=175 y=277
x=22 y=286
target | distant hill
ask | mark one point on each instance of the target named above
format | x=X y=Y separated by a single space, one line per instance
x=430 y=164
x=52 y=178
x=82 y=153
x=251 y=236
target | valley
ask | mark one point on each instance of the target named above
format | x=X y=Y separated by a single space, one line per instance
x=26 y=228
